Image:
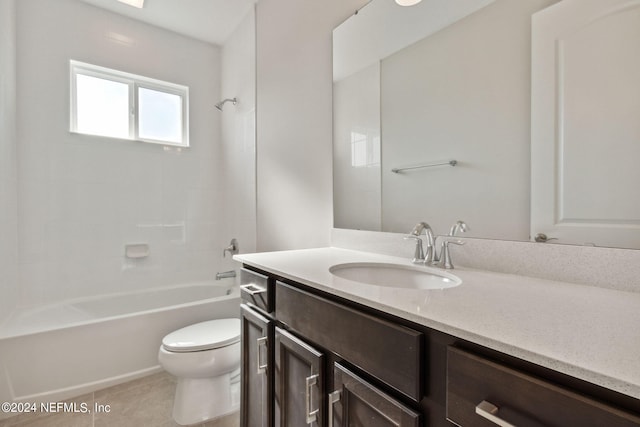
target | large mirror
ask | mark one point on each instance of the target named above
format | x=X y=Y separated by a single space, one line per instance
x=433 y=119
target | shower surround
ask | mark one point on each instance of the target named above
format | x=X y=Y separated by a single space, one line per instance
x=82 y=198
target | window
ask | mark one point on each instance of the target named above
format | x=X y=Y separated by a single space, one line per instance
x=365 y=148
x=115 y=104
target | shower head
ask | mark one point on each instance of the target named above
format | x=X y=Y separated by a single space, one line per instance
x=220 y=104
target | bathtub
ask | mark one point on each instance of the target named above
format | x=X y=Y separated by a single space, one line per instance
x=68 y=349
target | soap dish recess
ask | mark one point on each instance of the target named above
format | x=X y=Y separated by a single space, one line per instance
x=137 y=250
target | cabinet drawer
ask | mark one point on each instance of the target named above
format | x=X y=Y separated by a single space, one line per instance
x=257 y=289
x=481 y=392
x=389 y=352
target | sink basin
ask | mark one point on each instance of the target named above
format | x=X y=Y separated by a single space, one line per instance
x=395 y=275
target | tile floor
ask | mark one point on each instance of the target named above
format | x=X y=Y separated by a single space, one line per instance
x=145 y=402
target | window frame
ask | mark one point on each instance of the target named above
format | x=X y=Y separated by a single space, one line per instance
x=134 y=82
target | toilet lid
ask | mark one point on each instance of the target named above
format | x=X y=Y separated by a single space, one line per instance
x=203 y=336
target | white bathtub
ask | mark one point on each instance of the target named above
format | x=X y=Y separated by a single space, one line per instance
x=64 y=350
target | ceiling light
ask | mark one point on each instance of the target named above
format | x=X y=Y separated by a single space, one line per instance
x=135 y=3
x=403 y=2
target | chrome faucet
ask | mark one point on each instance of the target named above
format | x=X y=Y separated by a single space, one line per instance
x=420 y=255
x=444 y=260
x=460 y=226
x=430 y=255
x=225 y=274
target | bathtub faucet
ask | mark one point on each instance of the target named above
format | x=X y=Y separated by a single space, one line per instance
x=232 y=248
x=225 y=274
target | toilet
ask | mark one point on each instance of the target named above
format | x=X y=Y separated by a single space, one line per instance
x=205 y=358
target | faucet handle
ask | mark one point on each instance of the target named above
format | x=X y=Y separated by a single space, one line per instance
x=418 y=255
x=445 y=256
x=232 y=248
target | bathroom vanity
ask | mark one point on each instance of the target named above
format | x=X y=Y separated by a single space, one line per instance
x=322 y=350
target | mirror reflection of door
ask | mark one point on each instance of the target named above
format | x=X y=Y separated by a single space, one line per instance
x=586 y=122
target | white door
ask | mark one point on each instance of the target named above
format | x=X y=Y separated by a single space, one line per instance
x=585 y=122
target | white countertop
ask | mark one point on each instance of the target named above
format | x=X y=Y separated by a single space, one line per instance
x=587 y=332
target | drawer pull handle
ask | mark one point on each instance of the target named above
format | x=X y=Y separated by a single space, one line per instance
x=252 y=289
x=489 y=411
x=262 y=343
x=333 y=398
x=312 y=416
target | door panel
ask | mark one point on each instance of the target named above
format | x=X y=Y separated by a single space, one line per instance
x=585 y=131
x=356 y=403
x=299 y=382
x=257 y=372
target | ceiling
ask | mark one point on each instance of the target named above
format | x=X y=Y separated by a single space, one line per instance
x=211 y=21
x=382 y=28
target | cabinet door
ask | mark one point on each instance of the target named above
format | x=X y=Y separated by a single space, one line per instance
x=356 y=403
x=257 y=375
x=299 y=381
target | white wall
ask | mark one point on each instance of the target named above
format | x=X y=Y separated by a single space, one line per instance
x=83 y=198
x=294 y=79
x=238 y=152
x=8 y=173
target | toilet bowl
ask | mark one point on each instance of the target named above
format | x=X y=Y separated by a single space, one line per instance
x=205 y=358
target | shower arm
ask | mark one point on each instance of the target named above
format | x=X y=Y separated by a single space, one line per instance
x=220 y=104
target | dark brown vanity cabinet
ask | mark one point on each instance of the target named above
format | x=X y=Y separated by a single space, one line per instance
x=312 y=359
x=297 y=359
x=306 y=390
x=391 y=353
x=301 y=397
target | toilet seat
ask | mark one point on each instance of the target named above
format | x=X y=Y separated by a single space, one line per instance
x=207 y=335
